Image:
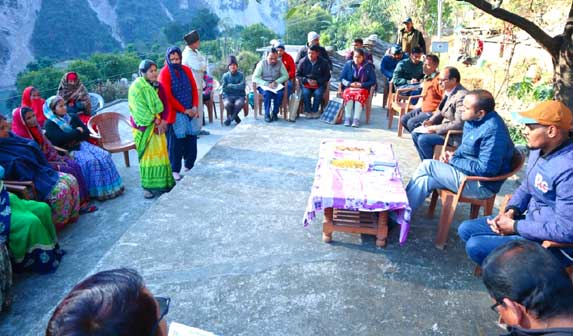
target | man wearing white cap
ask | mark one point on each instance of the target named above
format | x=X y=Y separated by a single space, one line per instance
x=313 y=39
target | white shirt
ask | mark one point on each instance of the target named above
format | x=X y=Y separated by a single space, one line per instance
x=194 y=59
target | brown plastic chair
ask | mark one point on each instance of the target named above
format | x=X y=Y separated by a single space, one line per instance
x=399 y=104
x=368 y=107
x=323 y=103
x=450 y=200
x=104 y=127
x=258 y=105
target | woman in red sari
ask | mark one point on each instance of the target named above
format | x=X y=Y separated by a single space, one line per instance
x=31 y=98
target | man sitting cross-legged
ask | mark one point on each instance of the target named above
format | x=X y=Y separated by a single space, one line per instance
x=270 y=73
x=486 y=150
x=447 y=117
x=531 y=292
x=542 y=207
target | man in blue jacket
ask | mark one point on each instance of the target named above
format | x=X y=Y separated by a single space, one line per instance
x=542 y=207
x=486 y=150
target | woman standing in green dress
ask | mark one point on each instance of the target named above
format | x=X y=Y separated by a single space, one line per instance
x=149 y=121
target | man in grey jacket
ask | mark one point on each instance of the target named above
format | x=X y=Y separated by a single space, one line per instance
x=447 y=117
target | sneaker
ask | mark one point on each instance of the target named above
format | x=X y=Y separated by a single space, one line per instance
x=227 y=122
x=347 y=122
x=204 y=132
x=275 y=117
x=177 y=176
x=147 y=194
x=268 y=119
x=316 y=115
x=237 y=120
x=356 y=123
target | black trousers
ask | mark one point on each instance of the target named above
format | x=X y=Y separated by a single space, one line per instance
x=179 y=149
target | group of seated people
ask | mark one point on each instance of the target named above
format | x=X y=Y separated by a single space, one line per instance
x=49 y=146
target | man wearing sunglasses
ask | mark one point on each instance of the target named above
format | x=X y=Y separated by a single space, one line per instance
x=542 y=207
x=531 y=292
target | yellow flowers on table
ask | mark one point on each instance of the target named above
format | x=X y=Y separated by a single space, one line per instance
x=348 y=164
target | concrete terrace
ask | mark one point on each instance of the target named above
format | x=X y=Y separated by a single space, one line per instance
x=228 y=246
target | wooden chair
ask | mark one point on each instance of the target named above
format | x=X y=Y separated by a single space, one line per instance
x=451 y=199
x=24 y=189
x=104 y=127
x=399 y=104
x=210 y=106
x=368 y=107
x=258 y=105
x=222 y=107
x=323 y=103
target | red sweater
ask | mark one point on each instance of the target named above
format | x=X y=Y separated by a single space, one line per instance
x=289 y=65
x=174 y=105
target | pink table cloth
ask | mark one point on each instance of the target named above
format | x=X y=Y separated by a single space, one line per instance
x=375 y=187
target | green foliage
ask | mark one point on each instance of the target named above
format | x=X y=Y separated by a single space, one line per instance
x=111 y=91
x=40 y=63
x=212 y=49
x=46 y=80
x=69 y=28
x=526 y=90
x=256 y=36
x=87 y=71
x=304 y=19
x=140 y=20
x=517 y=133
x=115 y=66
x=247 y=61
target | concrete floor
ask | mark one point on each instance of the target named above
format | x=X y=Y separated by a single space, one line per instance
x=228 y=246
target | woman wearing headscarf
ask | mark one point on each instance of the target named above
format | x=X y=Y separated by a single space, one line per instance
x=31 y=98
x=70 y=133
x=27 y=228
x=184 y=124
x=23 y=160
x=357 y=78
x=25 y=125
x=76 y=96
x=149 y=121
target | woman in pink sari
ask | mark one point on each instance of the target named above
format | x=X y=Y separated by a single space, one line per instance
x=25 y=125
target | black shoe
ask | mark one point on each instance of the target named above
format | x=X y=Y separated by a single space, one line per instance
x=275 y=117
x=268 y=119
x=237 y=120
x=227 y=122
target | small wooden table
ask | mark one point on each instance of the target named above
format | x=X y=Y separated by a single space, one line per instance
x=372 y=223
x=358 y=200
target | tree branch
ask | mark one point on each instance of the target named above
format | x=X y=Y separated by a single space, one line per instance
x=546 y=41
x=569 y=25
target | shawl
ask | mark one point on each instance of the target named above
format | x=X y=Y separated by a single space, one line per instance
x=144 y=106
x=20 y=128
x=180 y=84
x=35 y=104
x=76 y=92
x=24 y=161
x=5 y=212
x=62 y=122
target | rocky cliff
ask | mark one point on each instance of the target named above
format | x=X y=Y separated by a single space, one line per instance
x=62 y=29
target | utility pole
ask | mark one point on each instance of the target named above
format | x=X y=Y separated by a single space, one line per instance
x=439 y=20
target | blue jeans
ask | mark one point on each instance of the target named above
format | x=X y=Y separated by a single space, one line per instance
x=425 y=143
x=269 y=96
x=414 y=119
x=481 y=241
x=433 y=174
x=316 y=94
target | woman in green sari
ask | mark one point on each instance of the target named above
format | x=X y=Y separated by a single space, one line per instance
x=149 y=116
x=28 y=229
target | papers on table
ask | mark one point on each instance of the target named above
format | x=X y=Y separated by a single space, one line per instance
x=178 y=329
x=420 y=129
x=275 y=90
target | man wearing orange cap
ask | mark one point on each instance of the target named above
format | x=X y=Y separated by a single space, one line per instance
x=542 y=207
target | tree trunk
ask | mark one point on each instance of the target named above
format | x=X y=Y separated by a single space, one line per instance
x=563 y=65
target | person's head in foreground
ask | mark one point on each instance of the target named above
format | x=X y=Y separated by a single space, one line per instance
x=529 y=287
x=546 y=125
x=114 y=302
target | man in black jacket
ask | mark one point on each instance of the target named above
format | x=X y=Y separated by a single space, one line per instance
x=531 y=291
x=313 y=74
x=313 y=40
